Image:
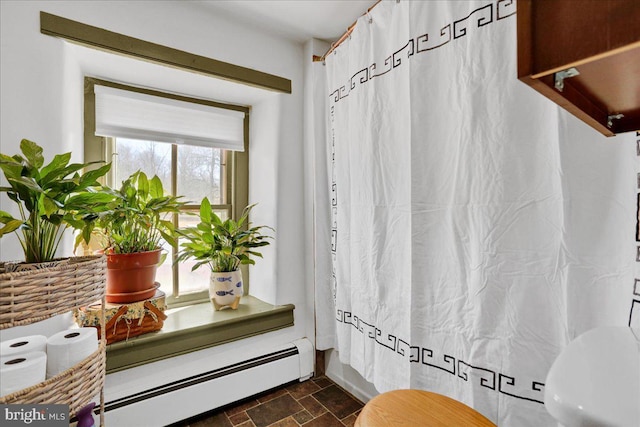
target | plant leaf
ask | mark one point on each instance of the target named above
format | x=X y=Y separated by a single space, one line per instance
x=33 y=153
x=163 y=257
x=58 y=163
x=10 y=166
x=90 y=178
x=143 y=185
x=205 y=211
x=83 y=200
x=86 y=232
x=10 y=223
x=48 y=206
x=64 y=172
x=27 y=182
x=155 y=187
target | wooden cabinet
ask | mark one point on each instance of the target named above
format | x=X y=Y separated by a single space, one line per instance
x=585 y=56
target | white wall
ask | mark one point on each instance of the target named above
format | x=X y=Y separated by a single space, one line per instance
x=42 y=85
x=42 y=89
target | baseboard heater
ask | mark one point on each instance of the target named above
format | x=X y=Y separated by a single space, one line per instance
x=188 y=397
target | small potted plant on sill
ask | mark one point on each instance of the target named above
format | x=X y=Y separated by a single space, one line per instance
x=223 y=246
x=50 y=199
x=131 y=232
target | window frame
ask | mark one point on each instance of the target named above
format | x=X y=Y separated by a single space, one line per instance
x=100 y=149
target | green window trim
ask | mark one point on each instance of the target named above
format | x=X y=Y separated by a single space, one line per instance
x=110 y=41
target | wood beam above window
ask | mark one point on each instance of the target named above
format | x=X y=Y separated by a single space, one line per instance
x=99 y=38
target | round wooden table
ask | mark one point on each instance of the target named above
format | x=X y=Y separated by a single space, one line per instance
x=418 y=408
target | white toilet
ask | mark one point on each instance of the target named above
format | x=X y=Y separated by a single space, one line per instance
x=595 y=382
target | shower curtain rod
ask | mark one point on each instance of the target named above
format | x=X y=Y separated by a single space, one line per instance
x=346 y=34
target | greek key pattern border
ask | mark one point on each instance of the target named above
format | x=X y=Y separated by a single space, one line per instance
x=478 y=18
x=448 y=363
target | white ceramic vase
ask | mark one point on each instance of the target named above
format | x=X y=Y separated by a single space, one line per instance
x=225 y=289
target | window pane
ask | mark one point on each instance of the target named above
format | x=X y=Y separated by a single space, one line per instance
x=192 y=281
x=153 y=158
x=164 y=274
x=200 y=174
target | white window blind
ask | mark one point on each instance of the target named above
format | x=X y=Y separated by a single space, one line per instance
x=128 y=114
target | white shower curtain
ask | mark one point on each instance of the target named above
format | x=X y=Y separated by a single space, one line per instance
x=469 y=228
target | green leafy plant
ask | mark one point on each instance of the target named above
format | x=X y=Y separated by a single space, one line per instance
x=137 y=219
x=222 y=245
x=50 y=198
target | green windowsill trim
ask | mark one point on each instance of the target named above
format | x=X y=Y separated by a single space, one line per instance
x=196 y=327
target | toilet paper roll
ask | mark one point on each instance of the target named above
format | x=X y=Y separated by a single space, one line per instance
x=67 y=348
x=23 y=345
x=22 y=371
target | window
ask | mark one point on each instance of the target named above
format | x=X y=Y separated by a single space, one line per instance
x=191 y=171
x=191 y=144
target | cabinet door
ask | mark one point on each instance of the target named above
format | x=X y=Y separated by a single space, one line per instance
x=585 y=56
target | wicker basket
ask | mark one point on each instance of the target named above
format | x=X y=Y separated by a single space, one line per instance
x=31 y=296
x=124 y=321
x=73 y=387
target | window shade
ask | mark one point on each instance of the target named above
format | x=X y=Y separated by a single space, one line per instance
x=128 y=114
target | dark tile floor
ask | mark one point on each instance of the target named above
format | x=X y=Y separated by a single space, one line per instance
x=317 y=402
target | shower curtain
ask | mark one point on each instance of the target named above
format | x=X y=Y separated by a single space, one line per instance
x=467 y=228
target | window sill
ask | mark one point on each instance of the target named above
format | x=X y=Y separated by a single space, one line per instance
x=197 y=327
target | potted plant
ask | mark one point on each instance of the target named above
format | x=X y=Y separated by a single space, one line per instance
x=223 y=246
x=131 y=232
x=50 y=199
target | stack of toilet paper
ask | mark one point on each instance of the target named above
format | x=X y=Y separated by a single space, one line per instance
x=26 y=361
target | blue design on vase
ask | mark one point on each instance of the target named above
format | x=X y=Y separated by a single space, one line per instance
x=223 y=293
x=223 y=279
x=239 y=285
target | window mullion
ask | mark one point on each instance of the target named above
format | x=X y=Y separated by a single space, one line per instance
x=175 y=268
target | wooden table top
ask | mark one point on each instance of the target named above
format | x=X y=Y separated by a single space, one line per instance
x=418 y=408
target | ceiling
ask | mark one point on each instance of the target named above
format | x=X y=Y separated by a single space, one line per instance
x=298 y=20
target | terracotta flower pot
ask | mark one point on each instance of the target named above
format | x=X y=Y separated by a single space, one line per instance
x=131 y=277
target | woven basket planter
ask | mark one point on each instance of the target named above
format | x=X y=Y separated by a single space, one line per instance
x=31 y=296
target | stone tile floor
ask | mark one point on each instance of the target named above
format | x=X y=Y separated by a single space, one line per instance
x=317 y=402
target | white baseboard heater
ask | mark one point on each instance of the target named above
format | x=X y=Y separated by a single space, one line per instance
x=194 y=395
